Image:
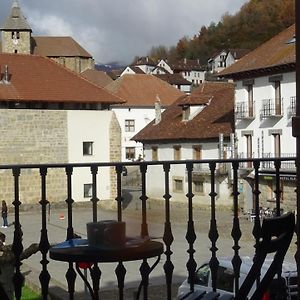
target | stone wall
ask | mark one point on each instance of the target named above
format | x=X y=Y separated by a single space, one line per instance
x=33 y=137
x=75 y=64
x=115 y=152
x=23 y=45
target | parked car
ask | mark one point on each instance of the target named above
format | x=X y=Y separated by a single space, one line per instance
x=225 y=279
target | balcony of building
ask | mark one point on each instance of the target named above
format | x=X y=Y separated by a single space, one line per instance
x=271 y=108
x=245 y=110
x=232 y=242
x=291 y=110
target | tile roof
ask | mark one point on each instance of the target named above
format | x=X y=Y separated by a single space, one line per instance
x=144 y=60
x=187 y=65
x=238 y=53
x=136 y=70
x=216 y=117
x=36 y=78
x=274 y=53
x=173 y=78
x=56 y=46
x=142 y=90
x=99 y=78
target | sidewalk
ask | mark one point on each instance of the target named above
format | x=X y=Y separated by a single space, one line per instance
x=31 y=226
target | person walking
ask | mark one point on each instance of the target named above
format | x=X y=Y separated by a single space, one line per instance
x=4 y=214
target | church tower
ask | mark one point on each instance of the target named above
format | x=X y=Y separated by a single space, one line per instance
x=16 y=32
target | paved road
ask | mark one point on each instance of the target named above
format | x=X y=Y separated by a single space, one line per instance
x=132 y=215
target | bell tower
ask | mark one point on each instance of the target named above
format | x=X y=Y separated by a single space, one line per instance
x=16 y=32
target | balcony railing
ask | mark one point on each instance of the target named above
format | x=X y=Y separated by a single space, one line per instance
x=271 y=108
x=245 y=111
x=285 y=165
x=291 y=111
x=18 y=172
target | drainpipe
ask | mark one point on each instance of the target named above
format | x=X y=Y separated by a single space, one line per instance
x=296 y=134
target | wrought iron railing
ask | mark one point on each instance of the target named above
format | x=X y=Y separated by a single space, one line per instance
x=245 y=111
x=17 y=171
x=291 y=111
x=271 y=108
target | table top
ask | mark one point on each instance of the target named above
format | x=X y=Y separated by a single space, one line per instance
x=79 y=250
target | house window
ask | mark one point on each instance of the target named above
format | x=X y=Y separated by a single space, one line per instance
x=87 y=190
x=249 y=149
x=178 y=184
x=130 y=153
x=154 y=153
x=177 y=152
x=197 y=152
x=198 y=186
x=129 y=126
x=277 y=98
x=87 y=148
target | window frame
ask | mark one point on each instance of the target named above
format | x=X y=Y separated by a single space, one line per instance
x=130 y=152
x=88 y=151
x=87 y=190
x=129 y=125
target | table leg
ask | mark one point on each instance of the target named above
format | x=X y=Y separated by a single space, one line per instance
x=96 y=276
x=145 y=271
x=71 y=277
x=120 y=272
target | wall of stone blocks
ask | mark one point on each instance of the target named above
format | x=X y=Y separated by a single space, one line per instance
x=33 y=137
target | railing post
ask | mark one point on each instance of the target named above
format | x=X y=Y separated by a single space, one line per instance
x=190 y=235
x=213 y=230
x=168 y=236
x=119 y=197
x=17 y=246
x=144 y=226
x=94 y=171
x=236 y=231
x=44 y=242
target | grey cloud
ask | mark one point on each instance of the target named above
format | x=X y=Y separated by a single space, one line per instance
x=120 y=29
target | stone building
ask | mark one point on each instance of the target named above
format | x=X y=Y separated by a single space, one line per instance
x=17 y=38
x=51 y=115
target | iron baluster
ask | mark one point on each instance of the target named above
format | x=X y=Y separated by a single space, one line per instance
x=94 y=171
x=69 y=201
x=236 y=231
x=121 y=272
x=213 y=230
x=256 y=192
x=44 y=242
x=143 y=198
x=278 y=191
x=119 y=197
x=168 y=236
x=17 y=247
x=190 y=235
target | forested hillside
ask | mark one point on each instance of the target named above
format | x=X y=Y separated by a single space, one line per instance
x=256 y=22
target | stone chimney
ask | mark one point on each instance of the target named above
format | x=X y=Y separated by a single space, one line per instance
x=186 y=111
x=157 y=107
x=6 y=76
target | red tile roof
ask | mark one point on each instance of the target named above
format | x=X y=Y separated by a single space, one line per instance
x=276 y=52
x=99 y=78
x=215 y=118
x=142 y=90
x=173 y=79
x=53 y=46
x=36 y=78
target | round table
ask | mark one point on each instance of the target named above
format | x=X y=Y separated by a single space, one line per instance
x=78 y=251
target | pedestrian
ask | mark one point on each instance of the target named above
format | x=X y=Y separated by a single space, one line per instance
x=4 y=214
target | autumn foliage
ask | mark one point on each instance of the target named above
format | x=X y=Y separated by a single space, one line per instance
x=256 y=22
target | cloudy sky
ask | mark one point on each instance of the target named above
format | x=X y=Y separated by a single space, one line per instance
x=118 y=30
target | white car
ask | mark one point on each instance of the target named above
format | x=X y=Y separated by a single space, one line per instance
x=225 y=279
